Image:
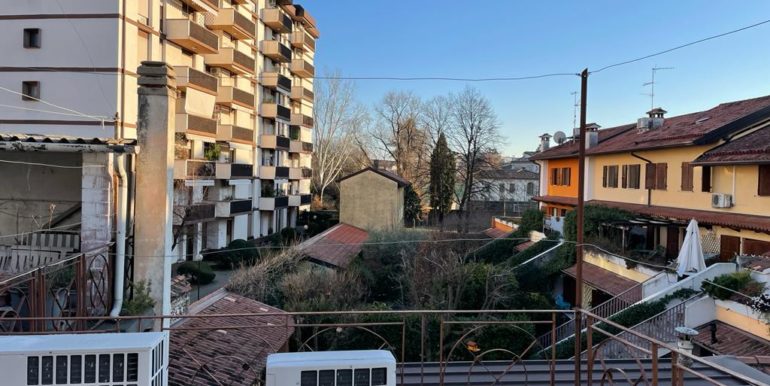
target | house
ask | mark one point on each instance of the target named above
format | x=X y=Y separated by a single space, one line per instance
x=505 y=191
x=559 y=172
x=372 y=199
x=524 y=162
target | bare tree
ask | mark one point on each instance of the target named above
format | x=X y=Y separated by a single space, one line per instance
x=338 y=119
x=474 y=134
x=437 y=117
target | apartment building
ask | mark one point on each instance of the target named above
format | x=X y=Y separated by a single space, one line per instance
x=243 y=122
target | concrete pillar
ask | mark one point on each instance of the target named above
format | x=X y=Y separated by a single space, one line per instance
x=155 y=182
x=216 y=234
x=96 y=196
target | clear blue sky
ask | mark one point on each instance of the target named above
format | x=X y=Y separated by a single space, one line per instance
x=514 y=38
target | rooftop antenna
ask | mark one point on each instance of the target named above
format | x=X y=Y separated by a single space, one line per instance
x=575 y=106
x=651 y=83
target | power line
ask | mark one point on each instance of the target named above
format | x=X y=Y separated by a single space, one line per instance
x=681 y=46
x=50 y=165
x=40 y=111
x=102 y=119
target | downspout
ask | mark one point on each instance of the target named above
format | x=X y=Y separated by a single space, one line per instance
x=120 y=235
x=649 y=190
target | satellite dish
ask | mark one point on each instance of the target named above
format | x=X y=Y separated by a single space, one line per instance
x=559 y=137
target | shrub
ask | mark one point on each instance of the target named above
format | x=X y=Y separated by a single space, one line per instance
x=238 y=252
x=740 y=282
x=320 y=289
x=495 y=251
x=594 y=217
x=288 y=236
x=199 y=272
x=140 y=302
x=534 y=250
x=531 y=220
x=261 y=281
x=382 y=262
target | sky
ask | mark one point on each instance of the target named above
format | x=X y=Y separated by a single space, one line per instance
x=510 y=38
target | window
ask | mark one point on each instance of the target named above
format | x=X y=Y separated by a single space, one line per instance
x=656 y=176
x=555 y=177
x=361 y=377
x=511 y=187
x=764 y=180
x=610 y=176
x=502 y=189
x=686 y=177
x=530 y=189
x=634 y=175
x=705 y=183
x=32 y=38
x=566 y=176
x=30 y=90
x=308 y=378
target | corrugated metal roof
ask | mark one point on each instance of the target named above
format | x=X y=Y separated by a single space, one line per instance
x=63 y=139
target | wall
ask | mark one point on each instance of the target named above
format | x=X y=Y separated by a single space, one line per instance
x=743 y=317
x=371 y=201
x=570 y=190
x=617 y=265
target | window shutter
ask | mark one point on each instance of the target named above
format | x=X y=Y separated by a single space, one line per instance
x=567 y=178
x=604 y=177
x=553 y=176
x=705 y=184
x=614 y=176
x=636 y=171
x=686 y=177
x=649 y=176
x=625 y=177
x=661 y=174
x=764 y=180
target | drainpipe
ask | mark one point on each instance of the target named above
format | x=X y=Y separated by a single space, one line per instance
x=649 y=190
x=120 y=236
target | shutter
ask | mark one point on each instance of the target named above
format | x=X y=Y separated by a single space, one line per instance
x=764 y=180
x=661 y=176
x=636 y=171
x=705 y=179
x=567 y=176
x=649 y=176
x=614 y=175
x=604 y=177
x=625 y=176
x=729 y=246
x=686 y=177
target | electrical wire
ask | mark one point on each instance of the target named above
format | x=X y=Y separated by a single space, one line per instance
x=97 y=118
x=40 y=111
x=43 y=230
x=50 y=165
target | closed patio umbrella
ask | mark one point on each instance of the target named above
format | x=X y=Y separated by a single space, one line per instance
x=691 y=255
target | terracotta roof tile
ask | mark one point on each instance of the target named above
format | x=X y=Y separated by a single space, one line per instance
x=336 y=247
x=385 y=173
x=232 y=356
x=570 y=148
x=753 y=149
x=731 y=341
x=496 y=233
x=695 y=128
x=521 y=247
x=602 y=279
x=705 y=217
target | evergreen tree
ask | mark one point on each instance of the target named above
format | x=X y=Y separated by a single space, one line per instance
x=412 y=206
x=442 y=179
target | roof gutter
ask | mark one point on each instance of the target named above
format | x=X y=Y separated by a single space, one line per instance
x=649 y=190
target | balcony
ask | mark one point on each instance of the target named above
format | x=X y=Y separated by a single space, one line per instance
x=302 y=40
x=229 y=95
x=232 y=22
x=277 y=20
x=307 y=173
x=295 y=173
x=305 y=199
x=233 y=133
x=273 y=80
x=299 y=199
x=281 y=172
x=307 y=147
x=274 y=110
x=192 y=36
x=194 y=170
x=270 y=141
x=227 y=209
x=188 y=123
x=271 y=203
x=200 y=5
x=301 y=120
x=194 y=213
x=302 y=68
x=231 y=59
x=227 y=171
x=299 y=93
x=188 y=77
x=273 y=49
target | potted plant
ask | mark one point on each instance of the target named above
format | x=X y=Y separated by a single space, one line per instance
x=141 y=304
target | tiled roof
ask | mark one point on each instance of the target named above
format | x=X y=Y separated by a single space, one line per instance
x=385 y=173
x=570 y=148
x=752 y=149
x=496 y=233
x=508 y=174
x=39 y=138
x=705 y=217
x=731 y=341
x=336 y=247
x=232 y=356
x=521 y=247
x=602 y=279
x=692 y=129
x=557 y=200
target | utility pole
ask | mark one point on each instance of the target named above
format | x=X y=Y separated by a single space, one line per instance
x=580 y=208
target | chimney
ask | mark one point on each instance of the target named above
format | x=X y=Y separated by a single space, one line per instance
x=545 y=142
x=155 y=182
x=592 y=135
x=653 y=120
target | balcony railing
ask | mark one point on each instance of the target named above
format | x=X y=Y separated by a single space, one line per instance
x=301 y=120
x=232 y=22
x=277 y=20
x=188 y=123
x=192 y=36
x=307 y=173
x=194 y=170
x=273 y=49
x=227 y=171
x=302 y=68
x=231 y=59
x=305 y=199
x=188 y=77
x=228 y=133
x=281 y=172
x=282 y=201
x=274 y=110
x=273 y=80
x=198 y=5
x=307 y=147
x=282 y=142
x=232 y=208
x=302 y=40
x=299 y=92
x=229 y=95
x=199 y=212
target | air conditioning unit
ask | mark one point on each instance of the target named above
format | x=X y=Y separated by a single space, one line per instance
x=118 y=359
x=721 y=200
x=363 y=367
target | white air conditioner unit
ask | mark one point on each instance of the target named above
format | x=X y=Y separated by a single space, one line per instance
x=721 y=200
x=118 y=359
x=364 y=367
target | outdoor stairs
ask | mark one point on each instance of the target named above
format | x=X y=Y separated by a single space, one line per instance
x=538 y=372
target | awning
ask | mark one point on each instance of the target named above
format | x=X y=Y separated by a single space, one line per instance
x=569 y=201
x=602 y=279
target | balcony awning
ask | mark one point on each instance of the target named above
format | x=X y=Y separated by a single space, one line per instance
x=602 y=279
x=569 y=201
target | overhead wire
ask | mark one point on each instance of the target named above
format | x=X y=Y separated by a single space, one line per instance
x=50 y=165
x=94 y=117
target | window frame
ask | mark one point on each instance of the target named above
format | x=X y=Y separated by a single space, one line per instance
x=25 y=90
x=29 y=42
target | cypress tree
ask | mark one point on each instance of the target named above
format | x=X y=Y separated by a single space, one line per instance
x=442 y=179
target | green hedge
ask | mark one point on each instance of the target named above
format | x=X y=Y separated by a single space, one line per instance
x=200 y=273
x=238 y=252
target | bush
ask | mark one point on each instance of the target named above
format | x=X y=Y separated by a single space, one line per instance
x=238 y=252
x=740 y=282
x=594 y=217
x=531 y=220
x=199 y=272
x=288 y=236
x=495 y=251
x=261 y=281
x=140 y=302
x=534 y=250
x=382 y=265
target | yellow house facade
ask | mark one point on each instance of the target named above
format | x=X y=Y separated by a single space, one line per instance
x=372 y=199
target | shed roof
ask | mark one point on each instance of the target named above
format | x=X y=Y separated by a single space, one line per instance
x=335 y=247
x=753 y=149
x=385 y=173
x=602 y=279
x=731 y=341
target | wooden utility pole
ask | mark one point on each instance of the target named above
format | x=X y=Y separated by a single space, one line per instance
x=580 y=207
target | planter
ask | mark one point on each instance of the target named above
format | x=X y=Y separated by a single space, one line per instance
x=138 y=325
